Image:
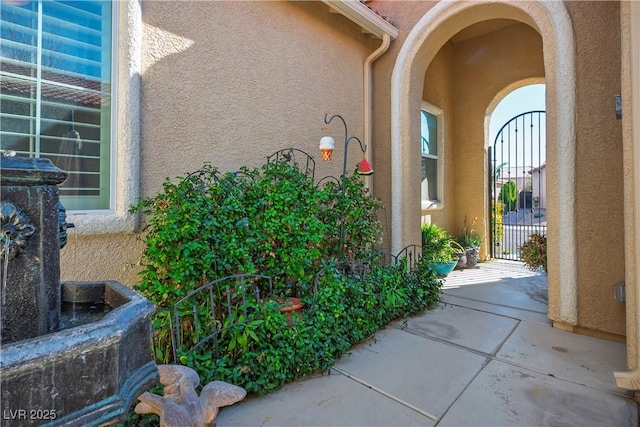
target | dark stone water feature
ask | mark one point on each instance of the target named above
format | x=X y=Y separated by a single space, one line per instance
x=73 y=353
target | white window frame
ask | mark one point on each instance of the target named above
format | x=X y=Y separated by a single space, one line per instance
x=431 y=205
x=125 y=133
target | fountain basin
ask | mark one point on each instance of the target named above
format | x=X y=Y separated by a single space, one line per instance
x=88 y=374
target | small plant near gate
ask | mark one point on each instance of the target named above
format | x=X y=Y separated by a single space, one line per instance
x=534 y=252
x=497 y=231
x=469 y=237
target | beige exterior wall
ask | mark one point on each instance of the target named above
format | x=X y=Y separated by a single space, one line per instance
x=598 y=213
x=231 y=82
x=599 y=172
x=251 y=78
x=404 y=15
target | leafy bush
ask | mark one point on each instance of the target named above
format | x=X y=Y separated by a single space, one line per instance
x=509 y=196
x=273 y=221
x=350 y=211
x=534 y=252
x=210 y=225
x=344 y=311
x=438 y=245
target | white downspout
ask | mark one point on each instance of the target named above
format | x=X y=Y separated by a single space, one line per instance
x=368 y=104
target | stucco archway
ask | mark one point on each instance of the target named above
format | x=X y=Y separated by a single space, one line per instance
x=437 y=26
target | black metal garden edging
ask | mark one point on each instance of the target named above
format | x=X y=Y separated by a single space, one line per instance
x=207 y=320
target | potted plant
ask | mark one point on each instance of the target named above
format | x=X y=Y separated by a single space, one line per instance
x=440 y=249
x=471 y=242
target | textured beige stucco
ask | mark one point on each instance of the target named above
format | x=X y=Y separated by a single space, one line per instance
x=249 y=79
x=404 y=15
x=599 y=172
x=630 y=92
x=101 y=257
x=231 y=82
x=586 y=302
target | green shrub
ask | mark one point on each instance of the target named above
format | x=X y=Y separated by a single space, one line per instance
x=509 y=196
x=351 y=212
x=209 y=225
x=273 y=221
x=533 y=252
x=438 y=245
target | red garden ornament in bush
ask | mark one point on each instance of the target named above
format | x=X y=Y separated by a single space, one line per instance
x=364 y=167
x=290 y=306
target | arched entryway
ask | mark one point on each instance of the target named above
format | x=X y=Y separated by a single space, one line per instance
x=434 y=29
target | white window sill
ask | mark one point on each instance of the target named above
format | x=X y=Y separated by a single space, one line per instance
x=432 y=205
x=100 y=222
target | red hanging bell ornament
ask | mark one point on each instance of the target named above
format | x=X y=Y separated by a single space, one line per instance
x=364 y=168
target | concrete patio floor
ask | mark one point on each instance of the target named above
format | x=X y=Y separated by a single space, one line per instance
x=486 y=357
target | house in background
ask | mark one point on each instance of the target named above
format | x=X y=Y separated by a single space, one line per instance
x=231 y=82
x=539 y=187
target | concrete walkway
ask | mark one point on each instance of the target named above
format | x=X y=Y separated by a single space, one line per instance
x=487 y=357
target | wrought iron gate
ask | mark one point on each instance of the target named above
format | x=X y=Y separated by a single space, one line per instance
x=517 y=184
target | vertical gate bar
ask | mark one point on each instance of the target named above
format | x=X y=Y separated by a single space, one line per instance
x=503 y=171
x=540 y=167
x=229 y=312
x=531 y=167
x=504 y=249
x=492 y=202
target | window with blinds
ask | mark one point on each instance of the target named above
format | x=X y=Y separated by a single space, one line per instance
x=429 y=141
x=55 y=92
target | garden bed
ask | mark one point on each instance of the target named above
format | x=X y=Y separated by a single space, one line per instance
x=282 y=235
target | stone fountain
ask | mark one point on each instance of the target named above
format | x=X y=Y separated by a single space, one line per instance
x=74 y=353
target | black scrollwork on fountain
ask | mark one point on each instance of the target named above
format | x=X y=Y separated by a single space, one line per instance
x=63 y=225
x=17 y=228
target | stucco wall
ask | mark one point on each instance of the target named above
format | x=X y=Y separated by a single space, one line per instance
x=250 y=78
x=599 y=171
x=404 y=15
x=231 y=83
x=598 y=174
x=102 y=257
x=629 y=96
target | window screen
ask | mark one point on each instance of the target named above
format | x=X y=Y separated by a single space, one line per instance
x=55 y=98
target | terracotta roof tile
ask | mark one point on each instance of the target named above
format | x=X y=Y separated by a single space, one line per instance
x=90 y=97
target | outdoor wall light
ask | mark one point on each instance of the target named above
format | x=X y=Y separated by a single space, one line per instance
x=328 y=144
